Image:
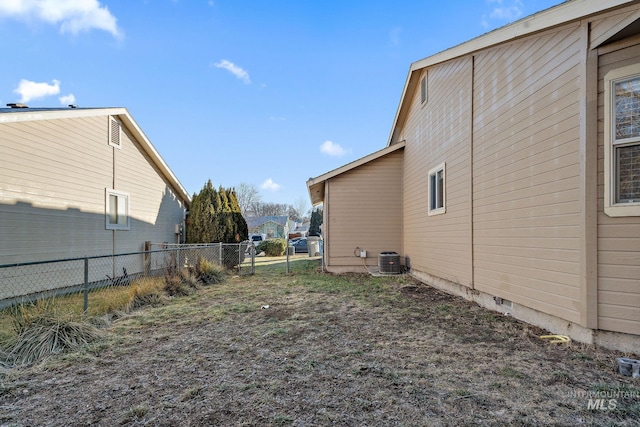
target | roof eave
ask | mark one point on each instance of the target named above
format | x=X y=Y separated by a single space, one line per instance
x=315 y=186
x=571 y=10
x=122 y=113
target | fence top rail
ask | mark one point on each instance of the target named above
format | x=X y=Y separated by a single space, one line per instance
x=171 y=249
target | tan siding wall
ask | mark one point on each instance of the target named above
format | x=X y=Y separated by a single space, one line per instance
x=440 y=132
x=618 y=238
x=52 y=179
x=53 y=176
x=364 y=210
x=526 y=186
x=154 y=209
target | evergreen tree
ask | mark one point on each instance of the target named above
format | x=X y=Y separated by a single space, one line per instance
x=215 y=217
x=316 y=222
x=200 y=228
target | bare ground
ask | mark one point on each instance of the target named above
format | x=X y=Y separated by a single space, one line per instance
x=329 y=350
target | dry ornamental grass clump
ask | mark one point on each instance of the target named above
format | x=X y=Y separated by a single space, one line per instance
x=209 y=273
x=42 y=331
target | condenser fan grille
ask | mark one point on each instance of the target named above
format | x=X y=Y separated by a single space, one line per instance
x=389 y=262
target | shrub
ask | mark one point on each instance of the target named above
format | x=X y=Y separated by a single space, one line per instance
x=146 y=291
x=209 y=273
x=43 y=331
x=181 y=283
x=273 y=247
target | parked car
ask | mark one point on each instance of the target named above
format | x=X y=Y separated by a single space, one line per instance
x=256 y=239
x=300 y=245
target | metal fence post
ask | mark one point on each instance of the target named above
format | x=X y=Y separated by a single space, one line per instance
x=287 y=251
x=220 y=253
x=86 y=285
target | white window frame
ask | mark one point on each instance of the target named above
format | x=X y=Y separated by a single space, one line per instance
x=436 y=190
x=121 y=211
x=612 y=207
x=113 y=121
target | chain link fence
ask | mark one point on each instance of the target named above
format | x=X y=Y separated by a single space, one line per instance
x=31 y=281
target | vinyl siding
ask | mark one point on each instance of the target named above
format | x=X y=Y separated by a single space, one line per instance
x=364 y=210
x=52 y=182
x=53 y=178
x=526 y=186
x=619 y=237
x=437 y=132
x=154 y=209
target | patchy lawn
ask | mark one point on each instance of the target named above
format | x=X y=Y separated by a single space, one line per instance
x=329 y=350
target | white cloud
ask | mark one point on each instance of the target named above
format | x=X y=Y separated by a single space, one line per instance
x=332 y=149
x=67 y=99
x=233 y=69
x=29 y=90
x=270 y=185
x=73 y=16
x=503 y=11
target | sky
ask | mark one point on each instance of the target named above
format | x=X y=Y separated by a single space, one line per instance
x=267 y=93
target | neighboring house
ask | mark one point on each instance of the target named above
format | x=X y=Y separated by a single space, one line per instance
x=299 y=229
x=511 y=174
x=271 y=226
x=81 y=182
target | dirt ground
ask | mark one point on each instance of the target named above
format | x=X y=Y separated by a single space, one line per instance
x=310 y=349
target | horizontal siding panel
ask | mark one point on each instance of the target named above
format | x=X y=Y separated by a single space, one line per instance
x=531 y=296
x=361 y=201
x=619 y=325
x=619 y=245
x=534 y=280
x=526 y=189
x=530 y=262
x=437 y=132
x=566 y=255
x=620 y=299
x=618 y=238
x=616 y=258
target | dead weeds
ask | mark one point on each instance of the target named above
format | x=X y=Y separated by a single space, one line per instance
x=330 y=350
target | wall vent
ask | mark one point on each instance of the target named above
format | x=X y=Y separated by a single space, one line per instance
x=114 y=132
x=389 y=262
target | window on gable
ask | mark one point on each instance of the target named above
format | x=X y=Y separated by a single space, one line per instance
x=622 y=142
x=115 y=132
x=423 y=89
x=437 y=204
x=117 y=210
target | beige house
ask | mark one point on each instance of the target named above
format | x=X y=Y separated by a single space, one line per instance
x=512 y=175
x=82 y=182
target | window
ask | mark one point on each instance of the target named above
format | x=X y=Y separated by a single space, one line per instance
x=117 y=210
x=114 y=132
x=423 y=89
x=437 y=203
x=622 y=142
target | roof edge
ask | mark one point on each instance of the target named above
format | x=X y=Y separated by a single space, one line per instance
x=563 y=13
x=314 y=184
x=24 y=115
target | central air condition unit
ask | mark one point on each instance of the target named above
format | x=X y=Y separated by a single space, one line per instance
x=389 y=263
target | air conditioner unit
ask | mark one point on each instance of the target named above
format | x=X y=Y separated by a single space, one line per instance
x=389 y=262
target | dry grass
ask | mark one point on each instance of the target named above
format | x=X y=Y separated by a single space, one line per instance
x=42 y=331
x=329 y=350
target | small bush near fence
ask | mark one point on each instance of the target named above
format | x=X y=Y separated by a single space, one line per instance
x=53 y=323
x=273 y=247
